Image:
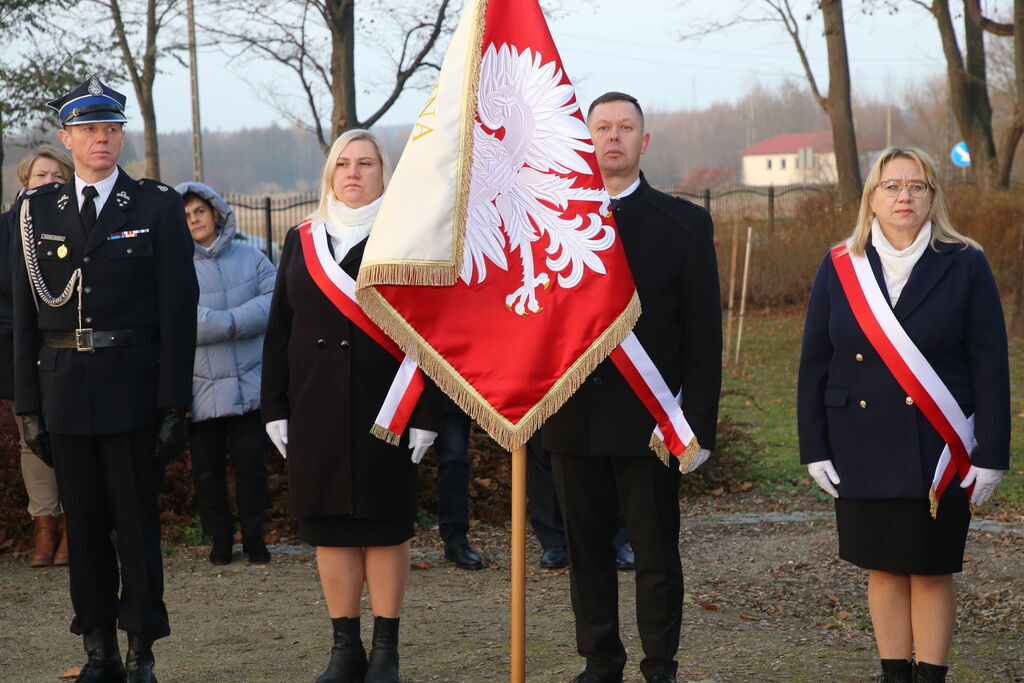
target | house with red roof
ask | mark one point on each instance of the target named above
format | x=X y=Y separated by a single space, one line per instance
x=793 y=159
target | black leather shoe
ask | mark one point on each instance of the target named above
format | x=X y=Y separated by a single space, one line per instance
x=139 y=661
x=256 y=550
x=554 y=558
x=464 y=557
x=348 y=656
x=624 y=559
x=896 y=671
x=589 y=677
x=104 y=665
x=382 y=665
x=221 y=551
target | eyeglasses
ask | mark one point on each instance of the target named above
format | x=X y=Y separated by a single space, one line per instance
x=916 y=188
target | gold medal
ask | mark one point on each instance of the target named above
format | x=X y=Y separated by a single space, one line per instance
x=62 y=251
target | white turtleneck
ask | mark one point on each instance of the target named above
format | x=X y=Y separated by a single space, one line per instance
x=347 y=226
x=898 y=263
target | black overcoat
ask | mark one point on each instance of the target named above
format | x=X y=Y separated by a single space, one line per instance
x=7 y=236
x=328 y=378
x=137 y=275
x=669 y=243
x=852 y=411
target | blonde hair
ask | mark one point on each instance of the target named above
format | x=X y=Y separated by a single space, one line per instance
x=24 y=167
x=942 y=224
x=326 y=182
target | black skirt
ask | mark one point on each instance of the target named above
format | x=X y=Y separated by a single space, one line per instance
x=900 y=536
x=346 y=531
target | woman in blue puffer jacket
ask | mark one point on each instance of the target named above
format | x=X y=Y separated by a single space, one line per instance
x=236 y=282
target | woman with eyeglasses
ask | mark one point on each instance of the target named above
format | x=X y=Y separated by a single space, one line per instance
x=904 y=404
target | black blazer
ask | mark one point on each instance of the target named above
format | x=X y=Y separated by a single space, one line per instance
x=328 y=378
x=884 y=447
x=669 y=244
x=146 y=281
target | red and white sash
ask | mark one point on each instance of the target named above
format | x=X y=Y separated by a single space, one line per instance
x=339 y=287
x=673 y=434
x=908 y=365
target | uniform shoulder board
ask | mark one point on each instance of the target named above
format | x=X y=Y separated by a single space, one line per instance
x=154 y=185
x=49 y=188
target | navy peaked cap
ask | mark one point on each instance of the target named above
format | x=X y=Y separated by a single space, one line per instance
x=91 y=102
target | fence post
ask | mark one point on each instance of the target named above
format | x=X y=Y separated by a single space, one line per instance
x=771 y=211
x=268 y=229
x=707 y=199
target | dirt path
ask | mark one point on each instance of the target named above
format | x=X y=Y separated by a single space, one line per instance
x=766 y=601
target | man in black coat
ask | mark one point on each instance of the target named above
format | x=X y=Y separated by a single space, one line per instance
x=599 y=438
x=105 y=299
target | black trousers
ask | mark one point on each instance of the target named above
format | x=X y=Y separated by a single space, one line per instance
x=542 y=504
x=592 y=490
x=109 y=485
x=210 y=443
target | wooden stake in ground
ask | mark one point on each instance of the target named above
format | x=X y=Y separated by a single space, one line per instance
x=743 y=295
x=518 y=616
x=732 y=290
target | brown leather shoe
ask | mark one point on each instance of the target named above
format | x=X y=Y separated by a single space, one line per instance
x=47 y=537
x=60 y=557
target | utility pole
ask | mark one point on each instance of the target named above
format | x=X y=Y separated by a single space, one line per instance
x=888 y=126
x=197 y=134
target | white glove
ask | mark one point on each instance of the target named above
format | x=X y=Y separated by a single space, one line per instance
x=985 y=482
x=702 y=457
x=277 y=430
x=824 y=472
x=419 y=441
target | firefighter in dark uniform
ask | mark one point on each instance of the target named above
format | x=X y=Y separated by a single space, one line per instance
x=105 y=301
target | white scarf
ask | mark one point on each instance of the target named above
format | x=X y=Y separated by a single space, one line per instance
x=897 y=263
x=347 y=226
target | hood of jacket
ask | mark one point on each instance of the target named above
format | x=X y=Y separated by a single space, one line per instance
x=226 y=224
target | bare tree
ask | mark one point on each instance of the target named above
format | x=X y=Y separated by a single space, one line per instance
x=315 y=40
x=1012 y=135
x=837 y=102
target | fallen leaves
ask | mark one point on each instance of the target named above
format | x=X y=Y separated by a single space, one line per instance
x=70 y=673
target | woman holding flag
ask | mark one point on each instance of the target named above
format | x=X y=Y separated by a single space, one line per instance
x=326 y=371
x=903 y=404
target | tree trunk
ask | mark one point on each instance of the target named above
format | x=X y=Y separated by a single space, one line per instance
x=838 y=107
x=1 y=156
x=341 y=16
x=968 y=91
x=149 y=134
x=1008 y=147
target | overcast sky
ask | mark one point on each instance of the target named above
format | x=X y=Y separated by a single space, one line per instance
x=631 y=45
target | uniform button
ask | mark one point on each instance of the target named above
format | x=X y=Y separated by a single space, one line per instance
x=128 y=250
x=49 y=253
x=343 y=343
x=39 y=362
x=86 y=260
x=321 y=343
x=910 y=401
x=859 y=357
x=863 y=404
x=596 y=381
x=87 y=290
x=88 y=321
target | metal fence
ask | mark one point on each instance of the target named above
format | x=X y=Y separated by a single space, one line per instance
x=265 y=220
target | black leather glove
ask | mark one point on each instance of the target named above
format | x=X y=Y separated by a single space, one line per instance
x=171 y=435
x=36 y=436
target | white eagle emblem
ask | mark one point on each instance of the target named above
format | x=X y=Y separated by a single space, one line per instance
x=527 y=139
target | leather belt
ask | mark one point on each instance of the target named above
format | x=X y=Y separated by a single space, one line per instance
x=89 y=340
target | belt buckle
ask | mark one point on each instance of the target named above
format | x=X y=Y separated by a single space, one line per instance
x=84 y=340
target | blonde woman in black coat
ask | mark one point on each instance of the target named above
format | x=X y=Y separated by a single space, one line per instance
x=324 y=379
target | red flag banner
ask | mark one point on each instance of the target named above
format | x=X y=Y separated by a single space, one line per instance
x=495 y=261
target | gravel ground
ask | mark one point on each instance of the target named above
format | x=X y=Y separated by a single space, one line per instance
x=766 y=600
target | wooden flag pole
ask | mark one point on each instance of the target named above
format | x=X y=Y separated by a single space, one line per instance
x=518 y=616
x=732 y=290
x=743 y=295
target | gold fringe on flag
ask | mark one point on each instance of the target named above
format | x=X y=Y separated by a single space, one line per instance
x=933 y=502
x=509 y=435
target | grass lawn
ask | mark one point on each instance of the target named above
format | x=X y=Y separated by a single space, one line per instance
x=761 y=391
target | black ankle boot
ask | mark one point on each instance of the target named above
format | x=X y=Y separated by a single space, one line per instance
x=221 y=551
x=139 y=662
x=383 y=664
x=348 y=656
x=255 y=549
x=929 y=673
x=104 y=665
x=896 y=671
